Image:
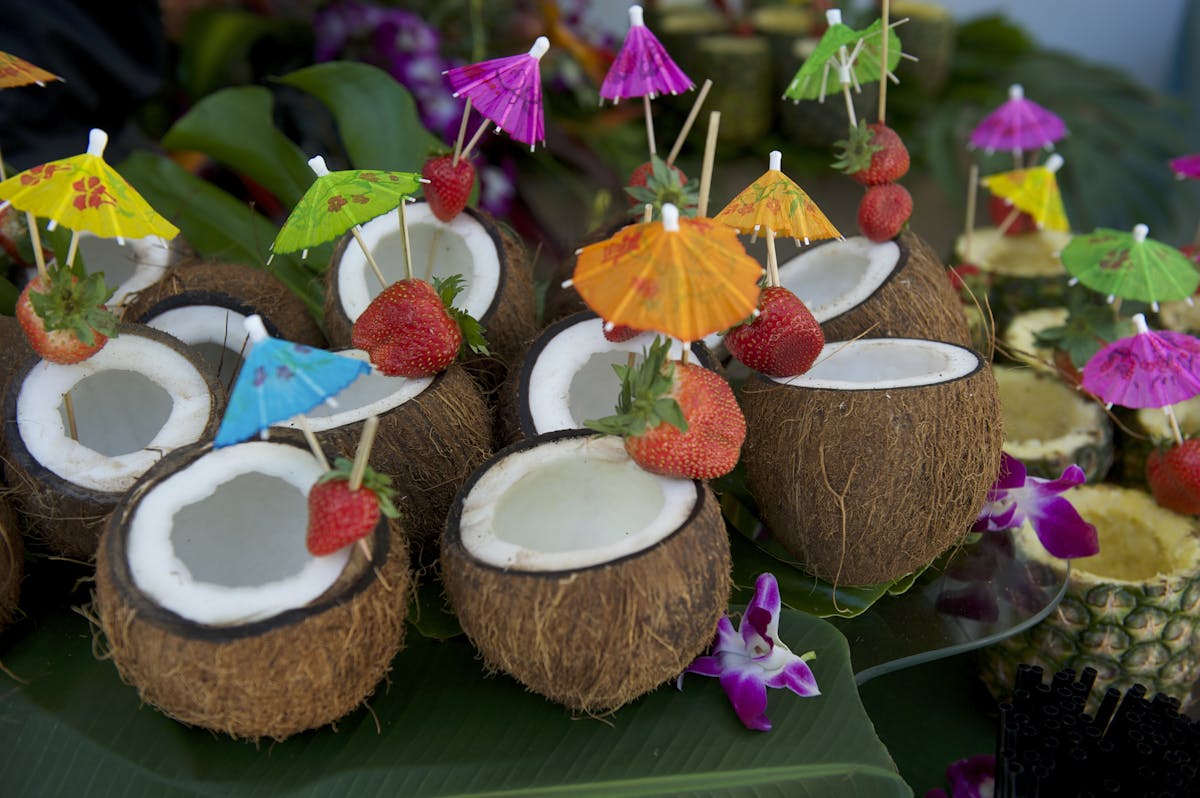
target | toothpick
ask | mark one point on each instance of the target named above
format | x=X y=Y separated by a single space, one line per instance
x=772 y=260
x=648 y=214
x=475 y=139
x=710 y=151
x=649 y=125
x=972 y=197
x=883 y=67
x=687 y=123
x=311 y=438
x=1008 y=220
x=35 y=238
x=462 y=133
x=69 y=407
x=73 y=248
x=367 y=254
x=366 y=440
x=408 y=272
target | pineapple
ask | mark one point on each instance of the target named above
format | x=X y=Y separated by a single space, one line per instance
x=1132 y=611
x=1024 y=270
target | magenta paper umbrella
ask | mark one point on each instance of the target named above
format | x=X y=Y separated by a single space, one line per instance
x=643 y=69
x=1147 y=369
x=1186 y=166
x=507 y=92
x=1018 y=125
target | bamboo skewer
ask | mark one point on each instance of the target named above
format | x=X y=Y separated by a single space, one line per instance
x=475 y=138
x=357 y=231
x=687 y=123
x=462 y=132
x=972 y=199
x=311 y=437
x=69 y=409
x=649 y=125
x=35 y=237
x=366 y=440
x=883 y=67
x=408 y=272
x=710 y=151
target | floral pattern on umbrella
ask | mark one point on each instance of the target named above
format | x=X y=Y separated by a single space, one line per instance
x=682 y=277
x=776 y=203
x=16 y=71
x=1019 y=125
x=642 y=68
x=280 y=380
x=507 y=91
x=1130 y=266
x=1034 y=191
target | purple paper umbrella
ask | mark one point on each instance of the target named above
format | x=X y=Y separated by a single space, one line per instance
x=1018 y=125
x=642 y=68
x=1186 y=166
x=506 y=91
x=1147 y=369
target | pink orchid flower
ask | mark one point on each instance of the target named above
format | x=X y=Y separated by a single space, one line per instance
x=751 y=659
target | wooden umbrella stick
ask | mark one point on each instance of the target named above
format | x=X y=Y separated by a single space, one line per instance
x=1008 y=220
x=35 y=238
x=311 y=438
x=466 y=153
x=462 y=133
x=687 y=123
x=772 y=260
x=849 y=105
x=710 y=151
x=366 y=440
x=408 y=272
x=3 y=172
x=972 y=198
x=69 y=408
x=648 y=214
x=883 y=65
x=367 y=254
x=649 y=125
x=73 y=248
x=683 y=357
x=1169 y=412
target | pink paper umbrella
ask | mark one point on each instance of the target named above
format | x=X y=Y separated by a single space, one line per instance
x=507 y=92
x=643 y=69
x=1018 y=125
x=1147 y=369
x=1186 y=166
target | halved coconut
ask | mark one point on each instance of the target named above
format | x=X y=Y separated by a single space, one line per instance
x=1024 y=270
x=12 y=565
x=895 y=289
x=498 y=278
x=566 y=377
x=433 y=432
x=141 y=396
x=216 y=612
x=127 y=268
x=204 y=304
x=877 y=459
x=1048 y=425
x=584 y=577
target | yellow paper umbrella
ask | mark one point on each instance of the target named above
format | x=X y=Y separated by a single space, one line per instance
x=19 y=72
x=682 y=277
x=1034 y=191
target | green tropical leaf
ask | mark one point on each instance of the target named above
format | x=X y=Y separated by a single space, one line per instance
x=235 y=127
x=375 y=115
x=215 y=42
x=441 y=727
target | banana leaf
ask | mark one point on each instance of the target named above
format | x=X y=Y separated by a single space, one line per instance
x=441 y=727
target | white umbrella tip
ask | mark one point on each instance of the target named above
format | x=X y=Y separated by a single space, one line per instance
x=317 y=164
x=636 y=17
x=256 y=329
x=833 y=16
x=1139 y=322
x=1016 y=92
x=1054 y=162
x=670 y=218
x=775 y=160
x=1140 y=232
x=97 y=141
x=540 y=46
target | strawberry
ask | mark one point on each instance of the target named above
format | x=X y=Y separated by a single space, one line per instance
x=873 y=155
x=883 y=211
x=619 y=333
x=412 y=329
x=1174 y=477
x=783 y=341
x=999 y=209
x=449 y=185
x=677 y=420
x=338 y=516
x=66 y=322
x=656 y=183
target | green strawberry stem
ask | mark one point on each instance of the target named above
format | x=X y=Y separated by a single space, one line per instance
x=69 y=302
x=644 y=402
x=472 y=330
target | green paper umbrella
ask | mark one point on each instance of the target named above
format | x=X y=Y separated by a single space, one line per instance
x=853 y=56
x=1130 y=266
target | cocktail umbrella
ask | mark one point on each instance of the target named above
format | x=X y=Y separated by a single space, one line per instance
x=1130 y=266
x=341 y=201
x=84 y=193
x=855 y=56
x=643 y=69
x=1147 y=369
x=19 y=72
x=1186 y=166
x=682 y=277
x=507 y=92
x=775 y=204
x=280 y=380
x=1019 y=125
x=1034 y=191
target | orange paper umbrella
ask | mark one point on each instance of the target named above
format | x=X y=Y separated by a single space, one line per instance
x=1034 y=191
x=682 y=277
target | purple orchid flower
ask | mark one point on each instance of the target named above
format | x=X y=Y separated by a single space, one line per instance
x=973 y=777
x=752 y=659
x=1017 y=498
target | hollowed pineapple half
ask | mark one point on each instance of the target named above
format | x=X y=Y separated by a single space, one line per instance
x=1132 y=611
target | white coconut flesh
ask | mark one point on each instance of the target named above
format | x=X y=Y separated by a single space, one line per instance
x=127 y=268
x=372 y=394
x=840 y=275
x=134 y=401
x=570 y=504
x=462 y=246
x=1043 y=415
x=572 y=379
x=222 y=541
x=217 y=334
x=1154 y=421
x=882 y=363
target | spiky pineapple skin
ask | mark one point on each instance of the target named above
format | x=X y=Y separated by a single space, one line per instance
x=1131 y=633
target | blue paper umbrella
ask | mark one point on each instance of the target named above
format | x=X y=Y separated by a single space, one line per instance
x=280 y=379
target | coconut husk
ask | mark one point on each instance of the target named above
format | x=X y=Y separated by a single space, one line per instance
x=12 y=565
x=508 y=324
x=14 y=352
x=299 y=670
x=234 y=286
x=916 y=301
x=67 y=517
x=866 y=486
x=595 y=638
x=428 y=446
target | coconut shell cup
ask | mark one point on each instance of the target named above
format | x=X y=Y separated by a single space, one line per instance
x=12 y=566
x=865 y=481
x=67 y=511
x=301 y=669
x=596 y=637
